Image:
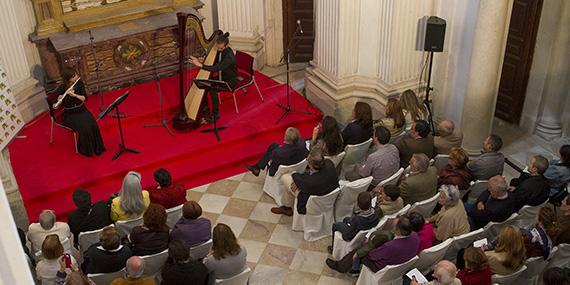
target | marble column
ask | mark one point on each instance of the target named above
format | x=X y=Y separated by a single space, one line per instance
x=273 y=38
x=556 y=86
x=243 y=19
x=484 y=72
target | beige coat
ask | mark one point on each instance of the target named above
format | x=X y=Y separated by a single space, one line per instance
x=450 y=222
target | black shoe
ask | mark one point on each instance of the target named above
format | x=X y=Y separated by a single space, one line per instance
x=354 y=273
x=332 y=264
x=254 y=170
x=330 y=249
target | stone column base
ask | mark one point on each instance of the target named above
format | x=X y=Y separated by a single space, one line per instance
x=548 y=131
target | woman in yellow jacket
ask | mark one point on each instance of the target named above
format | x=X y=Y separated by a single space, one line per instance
x=132 y=200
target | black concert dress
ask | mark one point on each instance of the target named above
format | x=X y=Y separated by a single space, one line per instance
x=77 y=117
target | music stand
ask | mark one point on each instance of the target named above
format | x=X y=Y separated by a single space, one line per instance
x=115 y=106
x=220 y=86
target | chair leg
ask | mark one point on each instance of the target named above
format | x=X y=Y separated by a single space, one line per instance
x=51 y=132
x=258 y=92
x=75 y=142
x=235 y=102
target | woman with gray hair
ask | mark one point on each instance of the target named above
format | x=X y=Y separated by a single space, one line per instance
x=132 y=200
x=451 y=220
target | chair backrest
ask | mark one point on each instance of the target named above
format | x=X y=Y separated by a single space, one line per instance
x=283 y=169
x=346 y=201
x=492 y=229
x=560 y=256
x=153 y=263
x=476 y=189
x=430 y=256
x=173 y=215
x=389 y=223
x=124 y=227
x=317 y=205
x=534 y=268
x=86 y=239
x=106 y=278
x=440 y=161
x=356 y=153
x=425 y=207
x=200 y=251
x=240 y=279
x=392 y=180
x=461 y=242
x=529 y=212
x=392 y=274
x=508 y=279
x=244 y=62
x=337 y=159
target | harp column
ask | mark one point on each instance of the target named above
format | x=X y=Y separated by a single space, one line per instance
x=364 y=51
x=243 y=19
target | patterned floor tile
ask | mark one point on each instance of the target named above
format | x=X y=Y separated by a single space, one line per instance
x=254 y=249
x=223 y=187
x=283 y=235
x=277 y=255
x=213 y=203
x=239 y=208
x=326 y=280
x=300 y=278
x=262 y=212
x=267 y=275
x=309 y=261
x=192 y=195
x=235 y=223
x=258 y=231
x=248 y=191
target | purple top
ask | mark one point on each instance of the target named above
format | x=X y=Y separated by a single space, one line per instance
x=193 y=232
x=426 y=236
x=396 y=251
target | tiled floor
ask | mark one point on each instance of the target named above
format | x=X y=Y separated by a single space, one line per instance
x=275 y=253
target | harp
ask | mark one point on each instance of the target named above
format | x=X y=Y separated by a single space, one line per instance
x=191 y=102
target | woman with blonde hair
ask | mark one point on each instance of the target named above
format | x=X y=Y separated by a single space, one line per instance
x=412 y=107
x=132 y=200
x=228 y=257
x=509 y=254
x=394 y=120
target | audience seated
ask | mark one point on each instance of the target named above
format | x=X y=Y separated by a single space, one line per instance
x=558 y=172
x=192 y=228
x=451 y=220
x=364 y=219
x=456 y=172
x=413 y=108
x=388 y=200
x=424 y=230
x=132 y=200
x=556 y=276
x=493 y=205
x=134 y=274
x=532 y=188
x=166 y=193
x=153 y=236
x=292 y=151
x=417 y=140
x=87 y=217
x=319 y=179
x=477 y=270
x=75 y=278
x=47 y=225
x=54 y=259
x=537 y=239
x=106 y=256
x=227 y=258
x=360 y=129
x=421 y=181
x=180 y=269
x=382 y=163
x=491 y=162
x=510 y=254
x=563 y=235
x=444 y=273
x=394 y=120
x=327 y=136
x=447 y=137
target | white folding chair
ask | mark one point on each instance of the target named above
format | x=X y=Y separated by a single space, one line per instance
x=337 y=159
x=346 y=201
x=492 y=229
x=106 y=278
x=440 y=161
x=355 y=153
x=317 y=223
x=200 y=251
x=389 y=223
x=173 y=215
x=425 y=207
x=507 y=279
x=154 y=263
x=461 y=242
x=527 y=215
x=392 y=180
x=125 y=227
x=240 y=279
x=559 y=256
x=273 y=185
x=430 y=256
x=389 y=275
x=342 y=247
x=87 y=239
x=475 y=190
x=534 y=268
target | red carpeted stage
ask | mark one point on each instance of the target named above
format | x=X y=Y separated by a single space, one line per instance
x=48 y=175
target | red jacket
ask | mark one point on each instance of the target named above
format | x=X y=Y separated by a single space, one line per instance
x=470 y=277
x=169 y=197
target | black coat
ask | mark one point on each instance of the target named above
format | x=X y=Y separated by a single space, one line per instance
x=355 y=133
x=531 y=190
x=319 y=183
x=495 y=210
x=287 y=154
x=97 y=260
x=85 y=219
x=358 y=223
x=227 y=65
x=193 y=272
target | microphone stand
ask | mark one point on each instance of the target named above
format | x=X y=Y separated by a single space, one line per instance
x=287 y=108
x=163 y=122
x=97 y=65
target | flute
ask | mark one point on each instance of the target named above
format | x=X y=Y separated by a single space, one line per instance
x=56 y=105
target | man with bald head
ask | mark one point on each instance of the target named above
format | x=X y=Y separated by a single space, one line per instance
x=47 y=225
x=494 y=205
x=134 y=274
x=532 y=188
x=444 y=273
x=447 y=137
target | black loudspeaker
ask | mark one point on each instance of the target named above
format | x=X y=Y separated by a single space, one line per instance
x=431 y=34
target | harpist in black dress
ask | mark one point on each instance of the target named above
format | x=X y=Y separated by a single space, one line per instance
x=77 y=117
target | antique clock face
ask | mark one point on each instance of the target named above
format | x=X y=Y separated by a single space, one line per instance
x=131 y=54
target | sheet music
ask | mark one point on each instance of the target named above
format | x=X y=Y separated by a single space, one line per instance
x=420 y=278
x=480 y=243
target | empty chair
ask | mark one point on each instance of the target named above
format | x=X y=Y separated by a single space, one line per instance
x=425 y=207
x=106 y=278
x=200 y=251
x=346 y=201
x=559 y=256
x=86 y=239
x=273 y=185
x=173 y=215
x=389 y=275
x=507 y=279
x=440 y=161
x=492 y=229
x=125 y=227
x=475 y=191
x=392 y=180
x=355 y=153
x=342 y=247
x=461 y=242
x=317 y=223
x=430 y=256
x=240 y=279
x=154 y=263
x=534 y=268
x=337 y=159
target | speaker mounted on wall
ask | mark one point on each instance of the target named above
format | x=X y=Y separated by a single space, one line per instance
x=430 y=34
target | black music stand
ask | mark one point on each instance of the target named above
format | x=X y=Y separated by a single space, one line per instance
x=219 y=86
x=115 y=105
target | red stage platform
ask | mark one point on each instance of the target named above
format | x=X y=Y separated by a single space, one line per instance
x=48 y=175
